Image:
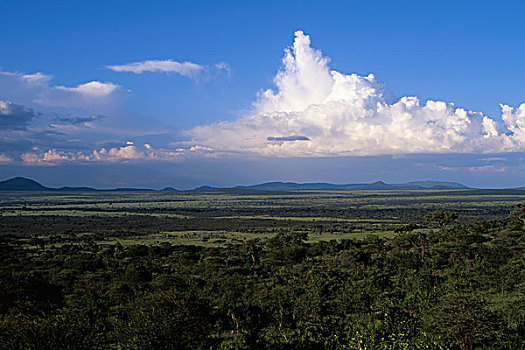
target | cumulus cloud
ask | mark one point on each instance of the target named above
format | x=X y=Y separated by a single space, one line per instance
x=5 y=159
x=126 y=153
x=35 y=78
x=53 y=156
x=91 y=89
x=129 y=152
x=515 y=121
x=37 y=88
x=186 y=69
x=92 y=95
x=313 y=111
x=14 y=116
x=348 y=114
x=47 y=157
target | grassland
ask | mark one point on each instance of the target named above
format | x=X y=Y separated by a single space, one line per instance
x=232 y=269
x=221 y=217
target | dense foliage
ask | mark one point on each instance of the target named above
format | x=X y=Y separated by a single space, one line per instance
x=448 y=287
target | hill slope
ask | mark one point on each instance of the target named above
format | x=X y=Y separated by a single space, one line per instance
x=379 y=185
x=22 y=184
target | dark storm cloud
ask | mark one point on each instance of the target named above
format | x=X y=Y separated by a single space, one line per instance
x=23 y=140
x=14 y=116
x=288 y=138
x=77 y=120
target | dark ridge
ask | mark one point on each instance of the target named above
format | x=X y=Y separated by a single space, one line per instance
x=378 y=185
x=22 y=184
x=236 y=192
x=204 y=187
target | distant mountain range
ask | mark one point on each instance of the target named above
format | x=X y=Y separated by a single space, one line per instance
x=24 y=184
x=379 y=185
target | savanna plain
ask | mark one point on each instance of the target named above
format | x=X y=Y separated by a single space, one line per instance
x=244 y=269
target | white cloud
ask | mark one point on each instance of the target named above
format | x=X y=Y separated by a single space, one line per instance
x=94 y=95
x=348 y=114
x=5 y=107
x=35 y=78
x=126 y=153
x=53 y=156
x=129 y=152
x=186 y=69
x=91 y=89
x=223 y=66
x=515 y=121
x=487 y=168
x=198 y=148
x=476 y=169
x=5 y=159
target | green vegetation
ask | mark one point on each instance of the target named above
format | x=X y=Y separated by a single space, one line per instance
x=221 y=269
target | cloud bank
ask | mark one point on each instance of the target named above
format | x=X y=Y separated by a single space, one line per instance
x=125 y=153
x=340 y=114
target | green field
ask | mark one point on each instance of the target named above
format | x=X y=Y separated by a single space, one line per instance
x=233 y=269
x=218 y=217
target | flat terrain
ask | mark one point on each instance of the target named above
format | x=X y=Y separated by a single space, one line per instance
x=219 y=217
x=244 y=269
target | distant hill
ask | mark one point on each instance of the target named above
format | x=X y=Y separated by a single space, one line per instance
x=437 y=184
x=24 y=184
x=205 y=187
x=379 y=185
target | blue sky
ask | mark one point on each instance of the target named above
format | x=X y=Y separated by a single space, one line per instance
x=95 y=91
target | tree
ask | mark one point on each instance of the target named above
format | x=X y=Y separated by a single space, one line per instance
x=459 y=316
x=519 y=211
x=167 y=320
x=441 y=218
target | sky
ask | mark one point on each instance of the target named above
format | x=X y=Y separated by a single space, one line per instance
x=223 y=93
